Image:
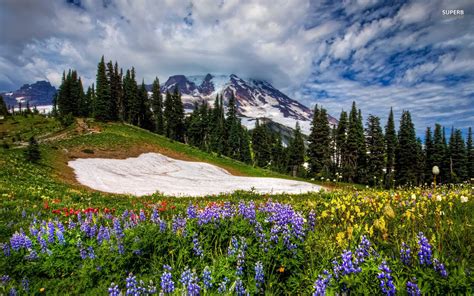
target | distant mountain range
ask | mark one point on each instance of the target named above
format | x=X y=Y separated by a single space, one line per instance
x=39 y=93
x=255 y=99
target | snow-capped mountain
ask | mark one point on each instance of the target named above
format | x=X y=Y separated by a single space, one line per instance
x=254 y=98
x=39 y=93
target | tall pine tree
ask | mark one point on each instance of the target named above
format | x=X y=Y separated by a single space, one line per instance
x=3 y=107
x=376 y=150
x=319 y=143
x=458 y=157
x=102 y=101
x=429 y=148
x=340 y=139
x=406 y=156
x=470 y=154
x=296 y=152
x=391 y=143
x=157 y=107
x=261 y=144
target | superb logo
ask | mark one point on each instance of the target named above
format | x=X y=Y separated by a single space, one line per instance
x=453 y=12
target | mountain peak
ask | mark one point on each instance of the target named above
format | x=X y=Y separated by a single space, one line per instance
x=39 y=93
x=255 y=98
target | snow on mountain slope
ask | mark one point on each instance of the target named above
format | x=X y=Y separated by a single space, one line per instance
x=254 y=98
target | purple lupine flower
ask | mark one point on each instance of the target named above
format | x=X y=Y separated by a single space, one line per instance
x=60 y=227
x=60 y=237
x=248 y=211
x=121 y=248
x=209 y=215
x=439 y=267
x=207 y=278
x=197 y=248
x=223 y=285
x=118 y=229
x=363 y=249
x=43 y=244
x=186 y=277
x=167 y=284
x=12 y=292
x=71 y=224
x=91 y=252
x=321 y=284
x=131 y=285
x=191 y=211
x=311 y=220
x=405 y=254
x=193 y=286
x=51 y=232
x=25 y=284
x=163 y=225
x=155 y=217
x=5 y=279
x=20 y=240
x=233 y=247
x=240 y=289
x=412 y=288
x=179 y=224
x=240 y=262
x=259 y=275
x=424 y=254
x=82 y=251
x=6 y=249
x=347 y=266
x=228 y=211
x=114 y=290
x=23 y=214
x=32 y=256
x=142 y=216
x=386 y=281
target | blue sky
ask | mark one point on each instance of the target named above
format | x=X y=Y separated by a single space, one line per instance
x=407 y=55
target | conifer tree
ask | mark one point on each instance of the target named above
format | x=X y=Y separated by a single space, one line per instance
x=376 y=150
x=261 y=144
x=445 y=169
x=458 y=157
x=420 y=163
x=32 y=152
x=355 y=147
x=296 y=152
x=429 y=147
x=157 y=107
x=438 y=155
x=103 y=97
x=244 y=148
x=319 y=152
x=178 y=110
x=3 y=107
x=470 y=154
x=168 y=115
x=391 y=143
x=278 y=162
x=406 y=155
x=134 y=99
x=194 y=135
x=217 y=142
x=145 y=115
x=115 y=90
x=340 y=140
x=232 y=126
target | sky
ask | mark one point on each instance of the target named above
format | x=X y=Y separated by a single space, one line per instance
x=407 y=55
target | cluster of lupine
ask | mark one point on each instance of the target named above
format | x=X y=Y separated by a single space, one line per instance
x=275 y=226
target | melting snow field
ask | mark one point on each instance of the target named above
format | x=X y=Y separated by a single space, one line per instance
x=152 y=172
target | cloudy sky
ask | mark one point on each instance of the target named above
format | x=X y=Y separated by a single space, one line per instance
x=407 y=55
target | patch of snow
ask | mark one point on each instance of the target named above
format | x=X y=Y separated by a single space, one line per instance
x=152 y=172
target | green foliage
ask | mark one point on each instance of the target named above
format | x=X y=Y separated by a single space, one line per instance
x=3 y=107
x=296 y=152
x=70 y=97
x=391 y=143
x=320 y=144
x=261 y=144
x=103 y=99
x=376 y=150
x=458 y=157
x=157 y=107
x=354 y=168
x=470 y=154
x=32 y=152
x=406 y=152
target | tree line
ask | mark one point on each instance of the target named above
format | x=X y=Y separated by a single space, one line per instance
x=377 y=156
x=349 y=152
